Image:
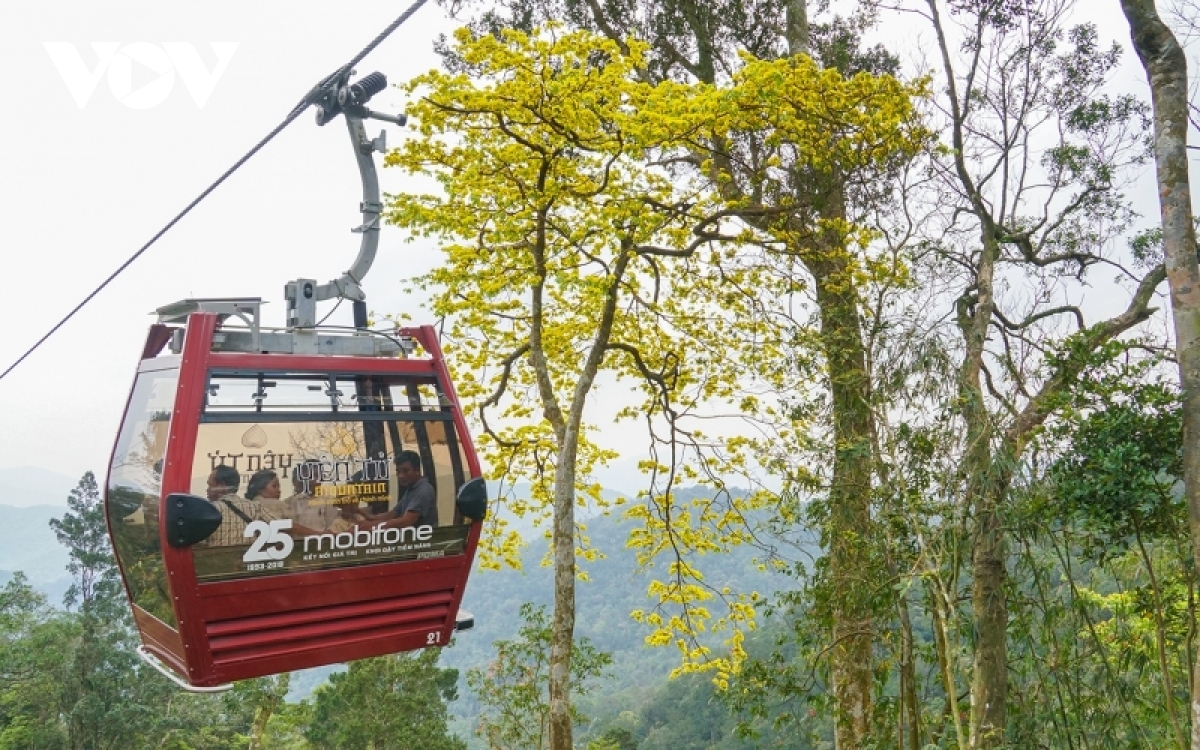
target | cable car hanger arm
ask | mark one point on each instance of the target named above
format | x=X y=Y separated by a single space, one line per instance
x=338 y=96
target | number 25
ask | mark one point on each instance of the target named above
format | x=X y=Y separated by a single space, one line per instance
x=272 y=534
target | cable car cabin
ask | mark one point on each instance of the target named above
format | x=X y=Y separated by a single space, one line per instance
x=240 y=488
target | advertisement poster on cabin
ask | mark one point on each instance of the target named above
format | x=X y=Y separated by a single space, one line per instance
x=273 y=550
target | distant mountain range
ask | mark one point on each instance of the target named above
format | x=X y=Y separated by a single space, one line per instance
x=29 y=497
x=26 y=486
x=27 y=544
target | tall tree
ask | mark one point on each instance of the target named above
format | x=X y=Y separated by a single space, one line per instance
x=393 y=702
x=513 y=687
x=1037 y=158
x=95 y=584
x=93 y=693
x=1166 y=70
x=563 y=252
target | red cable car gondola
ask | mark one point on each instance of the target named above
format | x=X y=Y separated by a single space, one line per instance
x=251 y=465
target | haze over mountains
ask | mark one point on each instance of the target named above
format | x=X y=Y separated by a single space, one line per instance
x=26 y=486
x=29 y=497
x=27 y=544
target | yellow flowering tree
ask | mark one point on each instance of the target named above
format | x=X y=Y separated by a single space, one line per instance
x=563 y=246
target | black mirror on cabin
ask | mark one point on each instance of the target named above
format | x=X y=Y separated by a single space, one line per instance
x=190 y=519
x=472 y=499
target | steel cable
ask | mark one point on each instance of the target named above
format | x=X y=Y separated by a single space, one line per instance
x=304 y=104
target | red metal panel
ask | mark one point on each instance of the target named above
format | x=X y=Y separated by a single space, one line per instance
x=378 y=643
x=320 y=614
x=303 y=595
x=160 y=639
x=427 y=337
x=278 y=640
x=322 y=363
x=177 y=469
x=425 y=620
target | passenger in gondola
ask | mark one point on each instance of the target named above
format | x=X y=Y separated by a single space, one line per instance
x=299 y=505
x=348 y=517
x=306 y=478
x=223 y=482
x=418 y=500
x=237 y=512
x=223 y=485
x=264 y=489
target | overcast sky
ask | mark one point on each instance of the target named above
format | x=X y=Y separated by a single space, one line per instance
x=84 y=186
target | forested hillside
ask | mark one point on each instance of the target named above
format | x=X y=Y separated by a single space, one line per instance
x=635 y=694
x=631 y=696
x=892 y=267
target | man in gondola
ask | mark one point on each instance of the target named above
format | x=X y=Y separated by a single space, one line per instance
x=418 y=499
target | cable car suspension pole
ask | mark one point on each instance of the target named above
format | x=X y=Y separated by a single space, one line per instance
x=340 y=97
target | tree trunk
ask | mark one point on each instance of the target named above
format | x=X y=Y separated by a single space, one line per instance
x=562 y=627
x=975 y=310
x=989 y=608
x=796 y=25
x=910 y=707
x=989 y=683
x=851 y=579
x=566 y=430
x=942 y=611
x=985 y=494
x=267 y=705
x=1166 y=70
x=850 y=559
